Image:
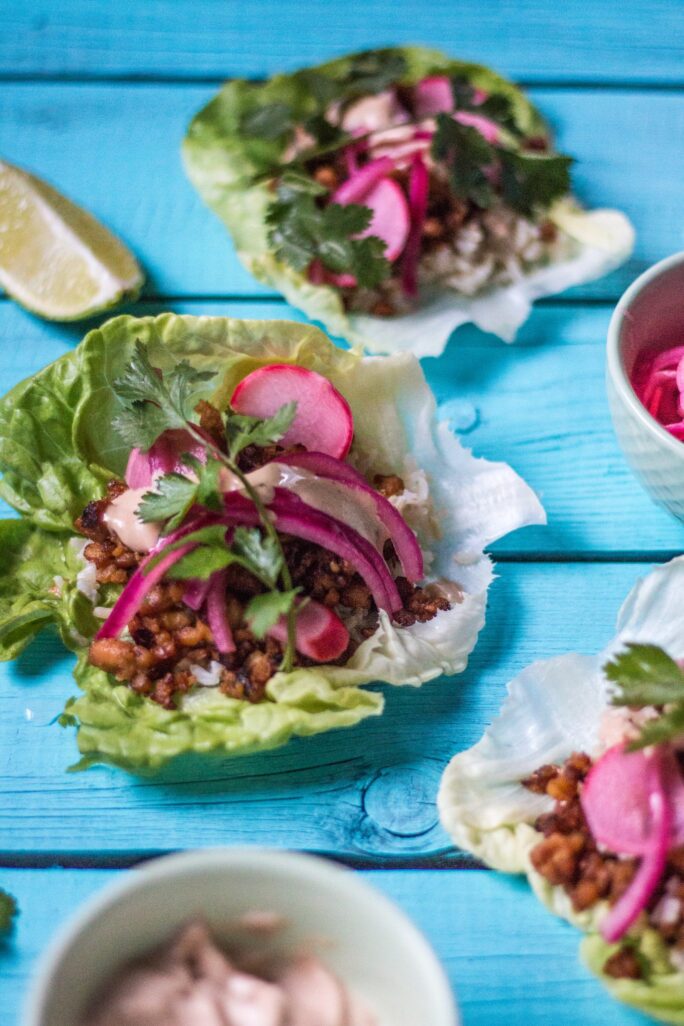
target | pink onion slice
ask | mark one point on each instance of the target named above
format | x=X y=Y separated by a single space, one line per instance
x=195 y=593
x=419 y=188
x=323 y=419
x=162 y=458
x=358 y=185
x=136 y=591
x=615 y=800
x=319 y=635
x=295 y=517
x=487 y=128
x=217 y=613
x=635 y=899
x=433 y=95
x=404 y=540
x=138 y=586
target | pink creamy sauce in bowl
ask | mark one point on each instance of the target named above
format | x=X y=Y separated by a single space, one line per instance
x=192 y=980
x=240 y=937
x=645 y=380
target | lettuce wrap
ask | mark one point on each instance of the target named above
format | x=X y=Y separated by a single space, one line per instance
x=58 y=450
x=553 y=709
x=245 y=146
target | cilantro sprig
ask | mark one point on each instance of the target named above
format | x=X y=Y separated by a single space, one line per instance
x=152 y=403
x=645 y=675
x=301 y=231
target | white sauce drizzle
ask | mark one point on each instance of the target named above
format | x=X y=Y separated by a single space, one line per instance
x=133 y=532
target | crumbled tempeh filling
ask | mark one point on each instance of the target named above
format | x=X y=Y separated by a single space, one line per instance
x=168 y=639
x=569 y=857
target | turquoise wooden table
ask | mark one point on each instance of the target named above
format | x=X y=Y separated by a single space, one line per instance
x=95 y=96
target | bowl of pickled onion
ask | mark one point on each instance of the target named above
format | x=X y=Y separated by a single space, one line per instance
x=645 y=380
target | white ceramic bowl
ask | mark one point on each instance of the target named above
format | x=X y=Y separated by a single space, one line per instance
x=650 y=315
x=373 y=947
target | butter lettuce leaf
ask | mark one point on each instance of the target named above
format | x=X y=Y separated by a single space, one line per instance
x=553 y=708
x=229 y=166
x=396 y=429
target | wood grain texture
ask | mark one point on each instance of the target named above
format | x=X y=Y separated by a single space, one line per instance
x=519 y=404
x=365 y=793
x=639 y=40
x=507 y=959
x=115 y=149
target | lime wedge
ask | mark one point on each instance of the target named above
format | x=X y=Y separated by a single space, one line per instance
x=56 y=259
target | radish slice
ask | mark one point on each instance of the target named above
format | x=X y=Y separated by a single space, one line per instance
x=404 y=540
x=320 y=634
x=295 y=517
x=390 y=220
x=615 y=800
x=635 y=899
x=162 y=458
x=357 y=187
x=433 y=95
x=217 y=613
x=419 y=188
x=323 y=420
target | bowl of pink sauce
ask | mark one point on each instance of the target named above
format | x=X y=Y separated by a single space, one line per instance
x=240 y=937
x=645 y=380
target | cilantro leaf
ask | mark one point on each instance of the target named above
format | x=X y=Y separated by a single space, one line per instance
x=243 y=430
x=373 y=71
x=300 y=231
x=263 y=611
x=466 y=154
x=8 y=911
x=258 y=553
x=202 y=562
x=153 y=403
x=533 y=180
x=170 y=500
x=645 y=675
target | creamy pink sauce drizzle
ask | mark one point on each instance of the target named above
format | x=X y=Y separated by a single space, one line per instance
x=191 y=982
x=352 y=506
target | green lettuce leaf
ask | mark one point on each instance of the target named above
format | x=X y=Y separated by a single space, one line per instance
x=39 y=588
x=396 y=429
x=554 y=708
x=227 y=164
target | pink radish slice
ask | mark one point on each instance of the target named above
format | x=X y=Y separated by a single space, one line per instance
x=488 y=129
x=433 y=95
x=358 y=185
x=404 y=540
x=323 y=420
x=615 y=799
x=162 y=458
x=320 y=634
x=419 y=188
x=390 y=222
x=217 y=613
x=292 y=516
x=635 y=899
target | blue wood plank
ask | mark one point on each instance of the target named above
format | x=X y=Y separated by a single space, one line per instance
x=507 y=959
x=639 y=40
x=115 y=148
x=516 y=404
x=366 y=793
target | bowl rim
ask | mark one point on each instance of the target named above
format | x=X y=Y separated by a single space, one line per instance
x=616 y=370
x=327 y=873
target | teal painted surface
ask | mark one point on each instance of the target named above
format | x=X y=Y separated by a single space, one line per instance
x=613 y=77
x=508 y=960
